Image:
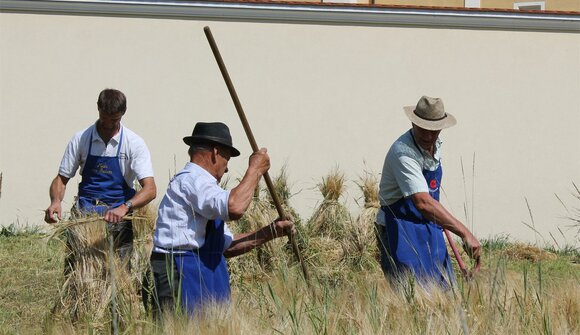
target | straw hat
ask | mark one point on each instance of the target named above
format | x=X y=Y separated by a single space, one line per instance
x=212 y=132
x=429 y=113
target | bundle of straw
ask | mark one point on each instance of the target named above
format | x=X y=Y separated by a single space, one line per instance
x=260 y=213
x=362 y=246
x=99 y=291
x=331 y=218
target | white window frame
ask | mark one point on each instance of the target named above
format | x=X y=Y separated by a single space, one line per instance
x=472 y=3
x=542 y=4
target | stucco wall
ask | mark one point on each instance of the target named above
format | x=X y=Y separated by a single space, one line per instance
x=318 y=96
x=560 y=5
x=436 y=3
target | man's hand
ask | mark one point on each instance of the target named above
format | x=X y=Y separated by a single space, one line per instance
x=54 y=208
x=472 y=246
x=260 y=161
x=116 y=215
x=283 y=227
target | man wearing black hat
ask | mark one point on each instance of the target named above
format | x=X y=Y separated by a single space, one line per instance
x=411 y=219
x=191 y=236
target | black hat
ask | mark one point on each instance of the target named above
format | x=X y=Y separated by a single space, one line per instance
x=212 y=132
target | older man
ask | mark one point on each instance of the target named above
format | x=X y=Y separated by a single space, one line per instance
x=110 y=157
x=411 y=220
x=191 y=237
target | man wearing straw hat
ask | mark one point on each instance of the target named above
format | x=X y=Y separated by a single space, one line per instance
x=191 y=237
x=411 y=219
x=110 y=157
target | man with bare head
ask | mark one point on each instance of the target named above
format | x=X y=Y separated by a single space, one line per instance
x=110 y=158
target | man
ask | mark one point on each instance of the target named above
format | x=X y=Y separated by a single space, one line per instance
x=110 y=158
x=411 y=220
x=191 y=237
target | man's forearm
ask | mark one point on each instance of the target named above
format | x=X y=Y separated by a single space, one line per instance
x=241 y=195
x=435 y=212
x=146 y=194
x=245 y=242
x=57 y=189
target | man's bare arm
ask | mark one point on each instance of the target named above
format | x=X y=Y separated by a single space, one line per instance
x=145 y=195
x=56 y=192
x=435 y=212
x=245 y=242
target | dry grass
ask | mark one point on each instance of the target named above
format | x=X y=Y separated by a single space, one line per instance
x=520 y=251
x=363 y=249
x=260 y=213
x=331 y=218
x=99 y=286
x=521 y=289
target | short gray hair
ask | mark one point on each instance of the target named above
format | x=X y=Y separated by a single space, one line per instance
x=199 y=147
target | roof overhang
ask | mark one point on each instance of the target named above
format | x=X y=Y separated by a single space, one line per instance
x=306 y=13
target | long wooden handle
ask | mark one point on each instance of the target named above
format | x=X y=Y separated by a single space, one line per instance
x=253 y=143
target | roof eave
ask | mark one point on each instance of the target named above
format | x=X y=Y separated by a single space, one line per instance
x=306 y=13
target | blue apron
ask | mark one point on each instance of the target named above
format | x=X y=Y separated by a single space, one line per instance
x=103 y=186
x=204 y=273
x=410 y=242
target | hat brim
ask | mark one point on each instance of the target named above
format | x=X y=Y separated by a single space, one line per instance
x=448 y=121
x=191 y=140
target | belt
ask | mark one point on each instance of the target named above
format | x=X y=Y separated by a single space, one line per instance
x=161 y=256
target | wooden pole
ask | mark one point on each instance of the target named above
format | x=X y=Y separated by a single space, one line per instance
x=253 y=143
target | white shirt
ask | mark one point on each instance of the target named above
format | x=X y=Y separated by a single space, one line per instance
x=193 y=198
x=403 y=171
x=134 y=156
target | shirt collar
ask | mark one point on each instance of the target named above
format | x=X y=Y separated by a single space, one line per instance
x=192 y=167
x=116 y=139
x=425 y=153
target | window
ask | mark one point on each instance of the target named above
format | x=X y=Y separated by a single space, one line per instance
x=472 y=4
x=535 y=5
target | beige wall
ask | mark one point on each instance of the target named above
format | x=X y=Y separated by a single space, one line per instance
x=436 y=3
x=558 y=5
x=317 y=96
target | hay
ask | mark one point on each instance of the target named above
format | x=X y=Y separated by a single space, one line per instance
x=362 y=247
x=527 y=252
x=260 y=213
x=331 y=217
x=95 y=276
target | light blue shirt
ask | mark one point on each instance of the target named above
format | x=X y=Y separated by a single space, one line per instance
x=403 y=171
x=193 y=198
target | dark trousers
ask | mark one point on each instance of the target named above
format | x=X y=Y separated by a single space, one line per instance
x=161 y=285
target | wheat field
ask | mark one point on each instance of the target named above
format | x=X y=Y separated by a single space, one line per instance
x=521 y=289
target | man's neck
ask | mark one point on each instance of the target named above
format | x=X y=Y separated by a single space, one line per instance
x=430 y=151
x=106 y=135
x=203 y=160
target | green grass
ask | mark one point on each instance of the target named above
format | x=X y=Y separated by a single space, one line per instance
x=30 y=277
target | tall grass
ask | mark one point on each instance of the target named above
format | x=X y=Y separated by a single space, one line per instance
x=521 y=289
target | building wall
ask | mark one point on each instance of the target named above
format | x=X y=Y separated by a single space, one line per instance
x=557 y=5
x=317 y=96
x=435 y=3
